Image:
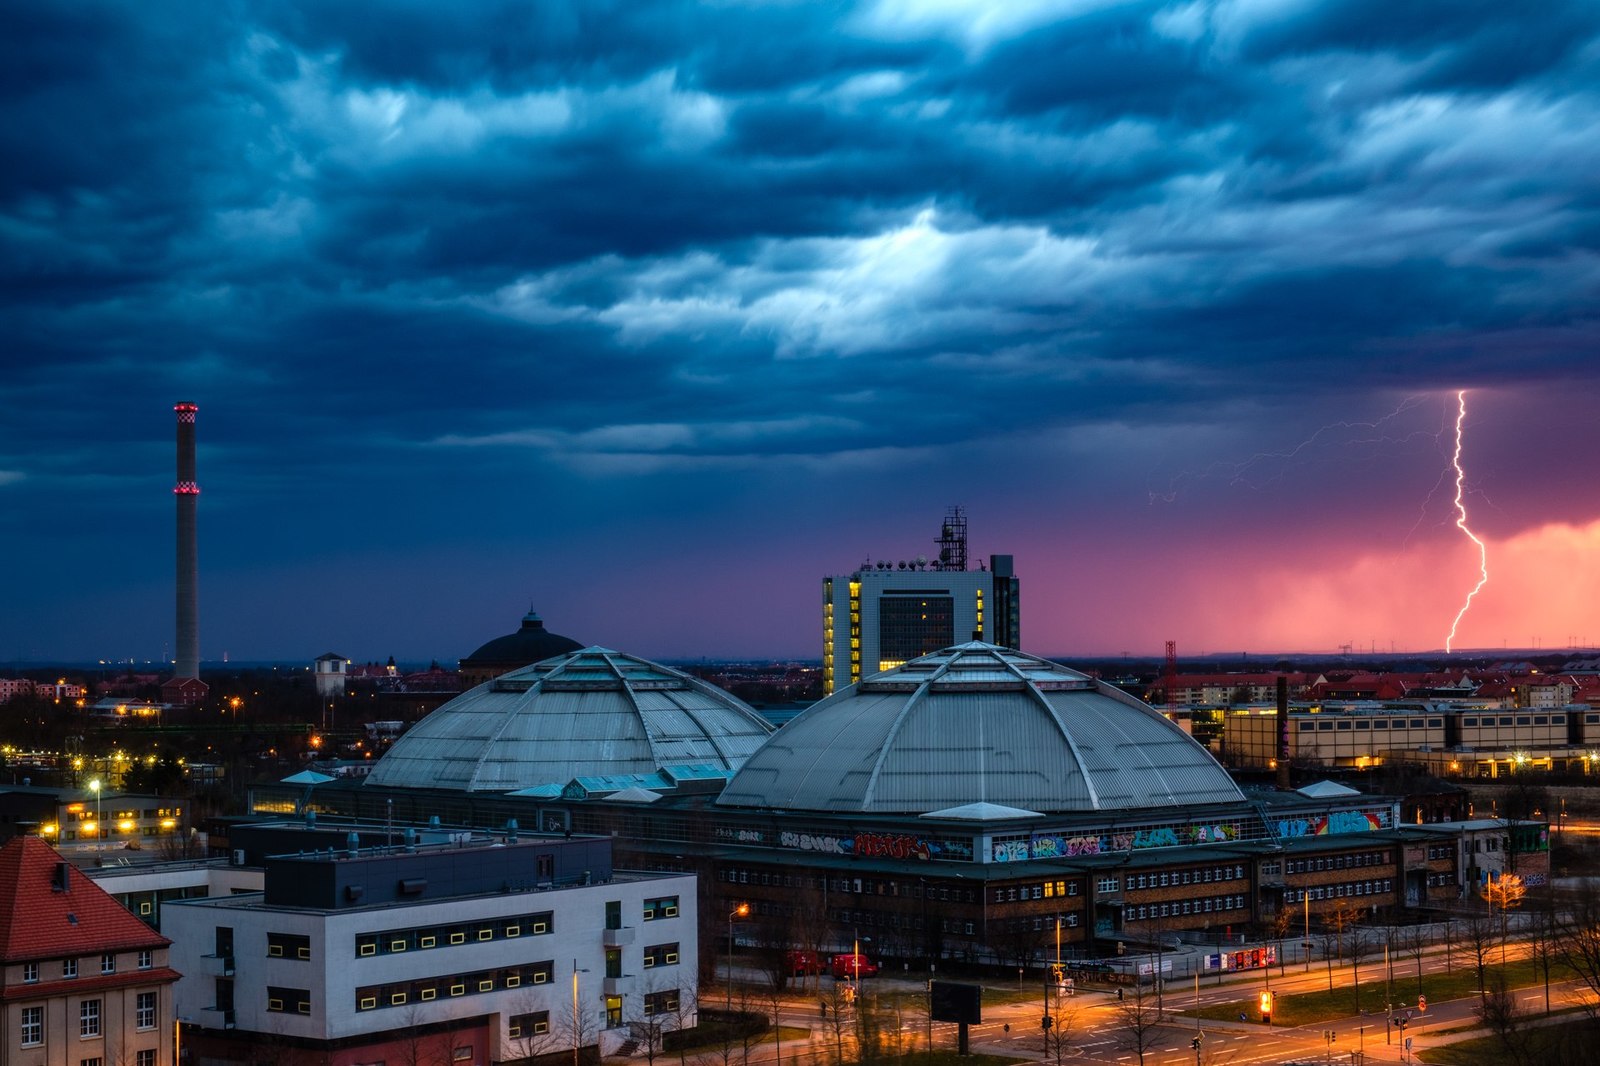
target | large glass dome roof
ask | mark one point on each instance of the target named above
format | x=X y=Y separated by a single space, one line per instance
x=589 y=712
x=979 y=724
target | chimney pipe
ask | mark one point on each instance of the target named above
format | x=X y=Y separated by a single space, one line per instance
x=187 y=490
x=1283 y=733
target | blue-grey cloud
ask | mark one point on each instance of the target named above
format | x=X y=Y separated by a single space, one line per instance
x=555 y=264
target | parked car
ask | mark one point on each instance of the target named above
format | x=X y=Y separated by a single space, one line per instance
x=849 y=966
x=804 y=963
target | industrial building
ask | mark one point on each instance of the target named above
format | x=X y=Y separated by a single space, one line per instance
x=887 y=613
x=1449 y=740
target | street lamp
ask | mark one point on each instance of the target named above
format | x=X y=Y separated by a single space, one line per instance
x=94 y=786
x=577 y=1027
x=740 y=911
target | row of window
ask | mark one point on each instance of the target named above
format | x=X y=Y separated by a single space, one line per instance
x=395 y=941
x=1521 y=719
x=374 y=997
x=1040 y=891
x=1325 y=726
x=69 y=967
x=1341 y=862
x=1206 y=876
x=1209 y=905
x=1376 y=886
x=660 y=955
x=1441 y=880
x=894 y=920
x=32 y=1027
x=534 y=1023
x=1442 y=851
x=856 y=885
x=1040 y=923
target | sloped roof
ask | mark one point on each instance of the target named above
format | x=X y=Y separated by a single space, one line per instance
x=588 y=713
x=979 y=724
x=982 y=812
x=39 y=922
x=1327 y=790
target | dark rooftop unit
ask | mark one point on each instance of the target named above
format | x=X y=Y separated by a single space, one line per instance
x=336 y=867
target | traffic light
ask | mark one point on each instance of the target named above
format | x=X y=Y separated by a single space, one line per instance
x=1422 y=1003
x=1045 y=1023
x=1266 y=1007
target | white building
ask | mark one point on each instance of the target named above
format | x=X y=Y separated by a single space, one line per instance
x=888 y=613
x=330 y=674
x=487 y=950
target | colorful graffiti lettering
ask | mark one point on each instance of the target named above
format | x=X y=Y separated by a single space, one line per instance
x=809 y=842
x=1155 y=838
x=880 y=845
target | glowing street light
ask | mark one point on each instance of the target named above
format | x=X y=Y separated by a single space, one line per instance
x=740 y=911
x=94 y=786
x=577 y=1026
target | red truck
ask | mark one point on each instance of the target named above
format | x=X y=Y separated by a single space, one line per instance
x=849 y=966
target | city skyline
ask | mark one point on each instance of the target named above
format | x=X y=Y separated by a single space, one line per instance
x=651 y=317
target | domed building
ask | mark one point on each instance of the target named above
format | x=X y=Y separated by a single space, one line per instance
x=980 y=724
x=974 y=803
x=531 y=643
x=589 y=712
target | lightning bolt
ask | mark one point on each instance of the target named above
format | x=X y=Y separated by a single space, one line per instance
x=1461 y=522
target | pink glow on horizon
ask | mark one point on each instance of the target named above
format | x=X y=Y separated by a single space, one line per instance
x=1546 y=581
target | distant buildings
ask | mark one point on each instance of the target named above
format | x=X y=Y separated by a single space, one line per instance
x=81 y=979
x=888 y=613
x=56 y=691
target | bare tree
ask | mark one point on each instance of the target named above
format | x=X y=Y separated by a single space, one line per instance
x=838 y=1005
x=1414 y=942
x=1581 y=940
x=1060 y=1023
x=1358 y=945
x=1140 y=1020
x=1477 y=930
x=1501 y=1016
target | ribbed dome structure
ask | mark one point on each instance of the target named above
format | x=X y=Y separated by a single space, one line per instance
x=589 y=712
x=979 y=724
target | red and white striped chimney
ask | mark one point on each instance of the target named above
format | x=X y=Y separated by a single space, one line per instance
x=187 y=490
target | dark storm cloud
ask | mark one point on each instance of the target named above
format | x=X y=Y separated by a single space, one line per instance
x=670 y=249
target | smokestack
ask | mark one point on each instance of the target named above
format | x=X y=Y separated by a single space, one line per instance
x=188 y=493
x=1282 y=737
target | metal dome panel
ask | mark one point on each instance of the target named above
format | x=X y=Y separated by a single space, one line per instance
x=979 y=724
x=589 y=712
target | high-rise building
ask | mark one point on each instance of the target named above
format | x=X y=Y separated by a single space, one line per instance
x=887 y=613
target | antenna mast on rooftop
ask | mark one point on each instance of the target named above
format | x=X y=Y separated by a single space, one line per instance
x=953 y=541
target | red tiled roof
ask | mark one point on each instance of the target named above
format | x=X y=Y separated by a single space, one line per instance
x=38 y=922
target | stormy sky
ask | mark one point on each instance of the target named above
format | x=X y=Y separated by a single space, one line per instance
x=649 y=315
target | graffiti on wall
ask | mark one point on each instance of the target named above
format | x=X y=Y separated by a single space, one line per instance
x=877 y=845
x=1050 y=846
x=1337 y=822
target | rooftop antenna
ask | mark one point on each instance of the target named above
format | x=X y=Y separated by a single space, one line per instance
x=953 y=541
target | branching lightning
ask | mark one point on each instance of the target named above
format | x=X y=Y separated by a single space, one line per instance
x=1461 y=522
x=1265 y=468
